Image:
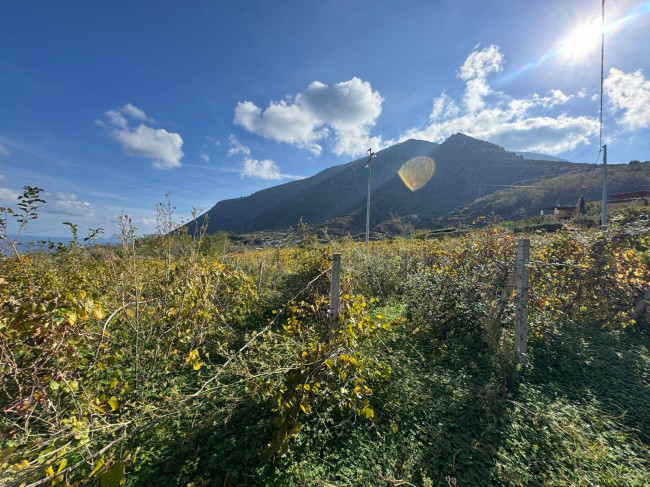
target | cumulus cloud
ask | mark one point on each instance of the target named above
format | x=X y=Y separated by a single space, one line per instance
x=162 y=147
x=481 y=63
x=237 y=147
x=629 y=93
x=8 y=195
x=515 y=123
x=205 y=157
x=4 y=151
x=342 y=113
x=265 y=169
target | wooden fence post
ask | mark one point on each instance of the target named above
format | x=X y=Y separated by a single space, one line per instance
x=335 y=290
x=521 y=305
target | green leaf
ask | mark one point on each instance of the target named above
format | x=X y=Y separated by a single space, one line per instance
x=114 y=476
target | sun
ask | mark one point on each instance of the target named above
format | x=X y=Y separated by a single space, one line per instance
x=581 y=40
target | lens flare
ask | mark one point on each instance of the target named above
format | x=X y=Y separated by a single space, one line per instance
x=416 y=172
x=582 y=40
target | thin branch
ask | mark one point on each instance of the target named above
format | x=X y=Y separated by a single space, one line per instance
x=257 y=335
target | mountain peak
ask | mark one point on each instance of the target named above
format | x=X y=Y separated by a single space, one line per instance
x=460 y=141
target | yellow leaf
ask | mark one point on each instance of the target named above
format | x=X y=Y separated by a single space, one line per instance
x=98 y=465
x=112 y=402
x=49 y=472
x=98 y=313
x=192 y=357
x=20 y=466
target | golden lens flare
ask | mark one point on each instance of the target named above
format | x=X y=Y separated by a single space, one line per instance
x=416 y=172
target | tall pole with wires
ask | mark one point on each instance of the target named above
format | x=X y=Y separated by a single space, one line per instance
x=371 y=156
x=603 y=216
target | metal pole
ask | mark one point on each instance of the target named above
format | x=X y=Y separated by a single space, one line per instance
x=371 y=155
x=368 y=204
x=603 y=215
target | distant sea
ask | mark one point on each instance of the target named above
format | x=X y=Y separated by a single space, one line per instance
x=31 y=243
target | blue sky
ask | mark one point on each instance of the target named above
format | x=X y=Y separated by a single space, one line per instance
x=110 y=105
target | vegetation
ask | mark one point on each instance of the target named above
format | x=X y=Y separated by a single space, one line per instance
x=194 y=360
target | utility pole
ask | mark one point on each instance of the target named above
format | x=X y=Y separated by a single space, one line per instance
x=371 y=156
x=603 y=215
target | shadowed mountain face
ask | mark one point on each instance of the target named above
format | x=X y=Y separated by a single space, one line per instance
x=465 y=169
x=539 y=157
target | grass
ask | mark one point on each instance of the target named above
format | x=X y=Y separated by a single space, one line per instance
x=578 y=414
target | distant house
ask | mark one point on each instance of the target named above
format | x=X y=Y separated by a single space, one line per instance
x=639 y=197
x=558 y=210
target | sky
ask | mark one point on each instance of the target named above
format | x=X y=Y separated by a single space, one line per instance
x=109 y=106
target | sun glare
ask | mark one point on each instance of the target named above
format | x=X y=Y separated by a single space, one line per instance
x=416 y=172
x=582 y=40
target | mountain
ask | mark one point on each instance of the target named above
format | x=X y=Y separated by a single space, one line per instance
x=539 y=157
x=469 y=174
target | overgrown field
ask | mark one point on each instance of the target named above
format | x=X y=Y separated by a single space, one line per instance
x=177 y=360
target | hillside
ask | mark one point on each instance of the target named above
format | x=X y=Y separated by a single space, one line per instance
x=465 y=169
x=539 y=157
x=519 y=202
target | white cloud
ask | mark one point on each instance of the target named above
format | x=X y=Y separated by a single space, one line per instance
x=237 y=147
x=162 y=147
x=213 y=140
x=629 y=93
x=265 y=169
x=345 y=112
x=474 y=71
x=8 y=195
x=4 y=151
x=116 y=118
x=205 y=157
x=555 y=97
x=443 y=105
x=134 y=112
x=502 y=119
x=481 y=63
x=68 y=204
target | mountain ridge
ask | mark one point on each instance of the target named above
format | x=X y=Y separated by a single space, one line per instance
x=466 y=170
